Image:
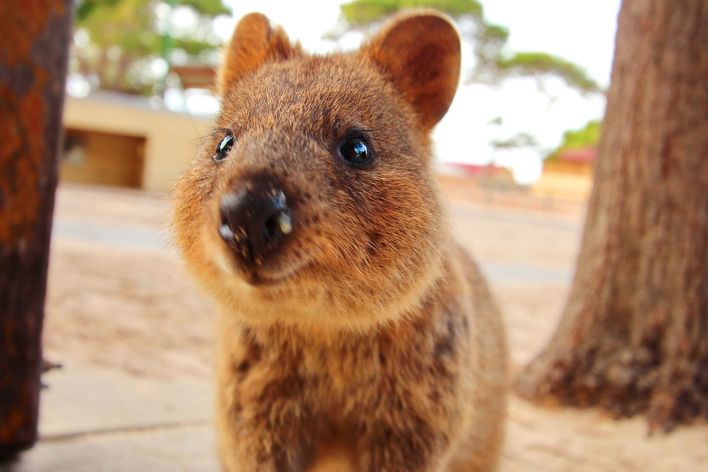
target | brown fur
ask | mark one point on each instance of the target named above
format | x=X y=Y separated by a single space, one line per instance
x=375 y=339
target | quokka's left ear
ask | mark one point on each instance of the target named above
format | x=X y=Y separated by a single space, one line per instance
x=254 y=43
x=419 y=53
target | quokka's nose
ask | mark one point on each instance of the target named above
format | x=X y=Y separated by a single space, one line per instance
x=255 y=222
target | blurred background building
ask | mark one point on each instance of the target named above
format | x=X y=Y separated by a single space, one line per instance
x=526 y=117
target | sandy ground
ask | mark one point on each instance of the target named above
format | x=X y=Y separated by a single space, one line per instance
x=126 y=323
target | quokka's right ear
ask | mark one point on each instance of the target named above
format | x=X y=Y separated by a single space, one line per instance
x=419 y=53
x=253 y=44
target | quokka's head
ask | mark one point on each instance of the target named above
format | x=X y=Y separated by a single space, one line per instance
x=312 y=202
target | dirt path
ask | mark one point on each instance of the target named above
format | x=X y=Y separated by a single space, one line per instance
x=118 y=299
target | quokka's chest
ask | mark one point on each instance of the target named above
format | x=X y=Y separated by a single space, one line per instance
x=351 y=373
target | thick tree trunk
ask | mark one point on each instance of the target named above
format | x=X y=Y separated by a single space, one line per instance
x=33 y=55
x=634 y=334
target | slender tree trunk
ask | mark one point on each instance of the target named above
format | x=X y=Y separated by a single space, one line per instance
x=634 y=334
x=33 y=56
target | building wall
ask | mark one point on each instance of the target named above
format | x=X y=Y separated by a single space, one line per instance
x=170 y=139
x=565 y=180
x=94 y=157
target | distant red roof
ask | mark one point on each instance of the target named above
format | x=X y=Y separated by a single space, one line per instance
x=578 y=156
x=476 y=169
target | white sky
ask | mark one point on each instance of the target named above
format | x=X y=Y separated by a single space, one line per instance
x=578 y=30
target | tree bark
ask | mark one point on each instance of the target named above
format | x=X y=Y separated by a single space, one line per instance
x=633 y=337
x=33 y=57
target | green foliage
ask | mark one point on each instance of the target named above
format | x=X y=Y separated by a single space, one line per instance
x=519 y=140
x=496 y=32
x=587 y=136
x=365 y=12
x=210 y=8
x=488 y=41
x=496 y=121
x=541 y=63
x=86 y=8
x=124 y=36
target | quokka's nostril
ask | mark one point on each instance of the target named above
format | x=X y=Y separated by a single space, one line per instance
x=270 y=229
x=277 y=225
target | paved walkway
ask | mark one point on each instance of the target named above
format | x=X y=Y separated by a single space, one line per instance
x=136 y=340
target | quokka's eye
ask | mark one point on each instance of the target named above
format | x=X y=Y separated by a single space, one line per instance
x=356 y=150
x=224 y=146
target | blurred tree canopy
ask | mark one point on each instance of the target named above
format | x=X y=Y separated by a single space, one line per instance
x=517 y=141
x=585 y=137
x=124 y=45
x=488 y=40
